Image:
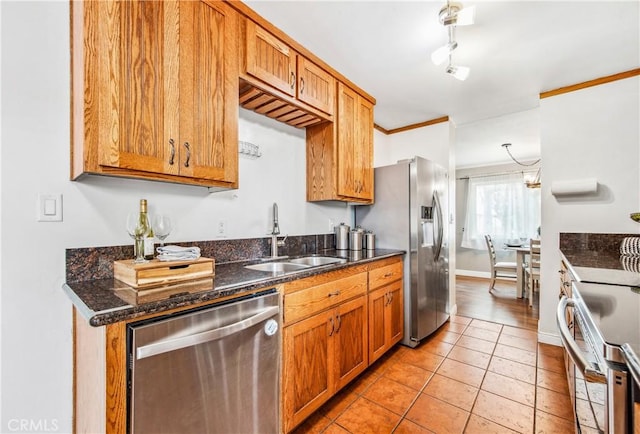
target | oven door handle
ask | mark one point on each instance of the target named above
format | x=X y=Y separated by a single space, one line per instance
x=590 y=373
x=632 y=362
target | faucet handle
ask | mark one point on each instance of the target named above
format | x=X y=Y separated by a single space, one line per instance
x=281 y=242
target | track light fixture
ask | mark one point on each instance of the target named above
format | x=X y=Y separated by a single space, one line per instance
x=450 y=16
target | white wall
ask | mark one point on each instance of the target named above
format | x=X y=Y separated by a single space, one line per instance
x=593 y=132
x=35 y=330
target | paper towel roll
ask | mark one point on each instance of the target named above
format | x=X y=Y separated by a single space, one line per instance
x=574 y=186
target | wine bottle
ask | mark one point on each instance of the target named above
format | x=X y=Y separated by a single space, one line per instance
x=144 y=227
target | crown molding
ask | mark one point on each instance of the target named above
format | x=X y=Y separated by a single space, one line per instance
x=412 y=126
x=590 y=83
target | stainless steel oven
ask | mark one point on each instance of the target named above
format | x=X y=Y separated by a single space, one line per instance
x=600 y=385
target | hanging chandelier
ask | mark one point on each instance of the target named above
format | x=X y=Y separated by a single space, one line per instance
x=535 y=183
x=451 y=15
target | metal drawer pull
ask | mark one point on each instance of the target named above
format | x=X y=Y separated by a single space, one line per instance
x=388 y=275
x=339 y=320
x=334 y=293
x=293 y=80
x=200 y=338
x=186 y=145
x=301 y=85
x=591 y=373
x=333 y=326
x=173 y=151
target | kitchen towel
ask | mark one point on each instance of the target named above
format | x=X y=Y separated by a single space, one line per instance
x=177 y=253
x=630 y=246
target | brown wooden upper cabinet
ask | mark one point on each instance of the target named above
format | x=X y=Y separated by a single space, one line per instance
x=340 y=154
x=155 y=91
x=308 y=90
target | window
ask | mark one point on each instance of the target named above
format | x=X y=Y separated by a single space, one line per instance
x=501 y=206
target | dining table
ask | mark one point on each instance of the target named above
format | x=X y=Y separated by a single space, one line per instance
x=521 y=252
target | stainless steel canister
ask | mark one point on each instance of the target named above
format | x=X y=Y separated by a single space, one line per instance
x=370 y=240
x=342 y=236
x=355 y=239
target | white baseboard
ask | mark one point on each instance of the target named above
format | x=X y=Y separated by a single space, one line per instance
x=548 y=338
x=472 y=273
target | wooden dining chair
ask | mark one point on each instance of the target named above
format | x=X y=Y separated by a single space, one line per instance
x=499 y=270
x=532 y=270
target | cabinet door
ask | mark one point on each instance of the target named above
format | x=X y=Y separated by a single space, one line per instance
x=351 y=357
x=363 y=164
x=355 y=145
x=133 y=106
x=316 y=87
x=270 y=59
x=307 y=357
x=346 y=155
x=385 y=319
x=378 y=300
x=208 y=91
x=395 y=313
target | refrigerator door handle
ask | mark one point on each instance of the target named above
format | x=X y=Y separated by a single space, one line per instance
x=438 y=226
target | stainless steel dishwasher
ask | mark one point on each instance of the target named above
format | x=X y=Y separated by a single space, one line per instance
x=212 y=370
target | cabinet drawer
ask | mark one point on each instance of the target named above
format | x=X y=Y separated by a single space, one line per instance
x=306 y=302
x=384 y=275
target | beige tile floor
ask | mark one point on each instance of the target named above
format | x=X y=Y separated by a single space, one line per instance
x=472 y=376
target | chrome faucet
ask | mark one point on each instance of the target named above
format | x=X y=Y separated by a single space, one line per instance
x=275 y=243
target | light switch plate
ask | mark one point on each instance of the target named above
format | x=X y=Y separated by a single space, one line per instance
x=49 y=207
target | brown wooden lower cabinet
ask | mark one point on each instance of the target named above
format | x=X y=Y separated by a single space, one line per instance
x=385 y=319
x=334 y=328
x=321 y=355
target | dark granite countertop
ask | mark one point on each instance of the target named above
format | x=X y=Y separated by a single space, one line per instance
x=98 y=301
x=595 y=258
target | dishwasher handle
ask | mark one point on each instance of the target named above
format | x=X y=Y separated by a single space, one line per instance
x=590 y=373
x=200 y=338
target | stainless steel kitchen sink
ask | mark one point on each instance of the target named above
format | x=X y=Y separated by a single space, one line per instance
x=293 y=265
x=315 y=261
x=277 y=267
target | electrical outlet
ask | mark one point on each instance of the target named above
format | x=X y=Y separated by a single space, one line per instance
x=222 y=228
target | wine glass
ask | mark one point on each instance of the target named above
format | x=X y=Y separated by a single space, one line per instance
x=161 y=227
x=137 y=230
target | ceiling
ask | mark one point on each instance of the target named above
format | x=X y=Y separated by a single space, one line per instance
x=516 y=49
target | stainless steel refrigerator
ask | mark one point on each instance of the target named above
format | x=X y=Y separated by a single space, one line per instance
x=410 y=212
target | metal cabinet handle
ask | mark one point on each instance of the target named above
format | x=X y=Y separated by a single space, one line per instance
x=173 y=151
x=165 y=346
x=566 y=284
x=339 y=320
x=590 y=373
x=331 y=294
x=293 y=80
x=301 y=85
x=186 y=145
x=333 y=326
x=388 y=275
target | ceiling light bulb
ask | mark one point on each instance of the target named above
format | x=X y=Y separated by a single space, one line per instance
x=453 y=14
x=459 y=72
x=466 y=16
x=442 y=53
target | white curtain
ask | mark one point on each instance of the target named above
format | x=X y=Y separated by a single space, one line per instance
x=503 y=207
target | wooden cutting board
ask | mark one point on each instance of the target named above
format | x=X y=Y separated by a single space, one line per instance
x=155 y=273
x=136 y=296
